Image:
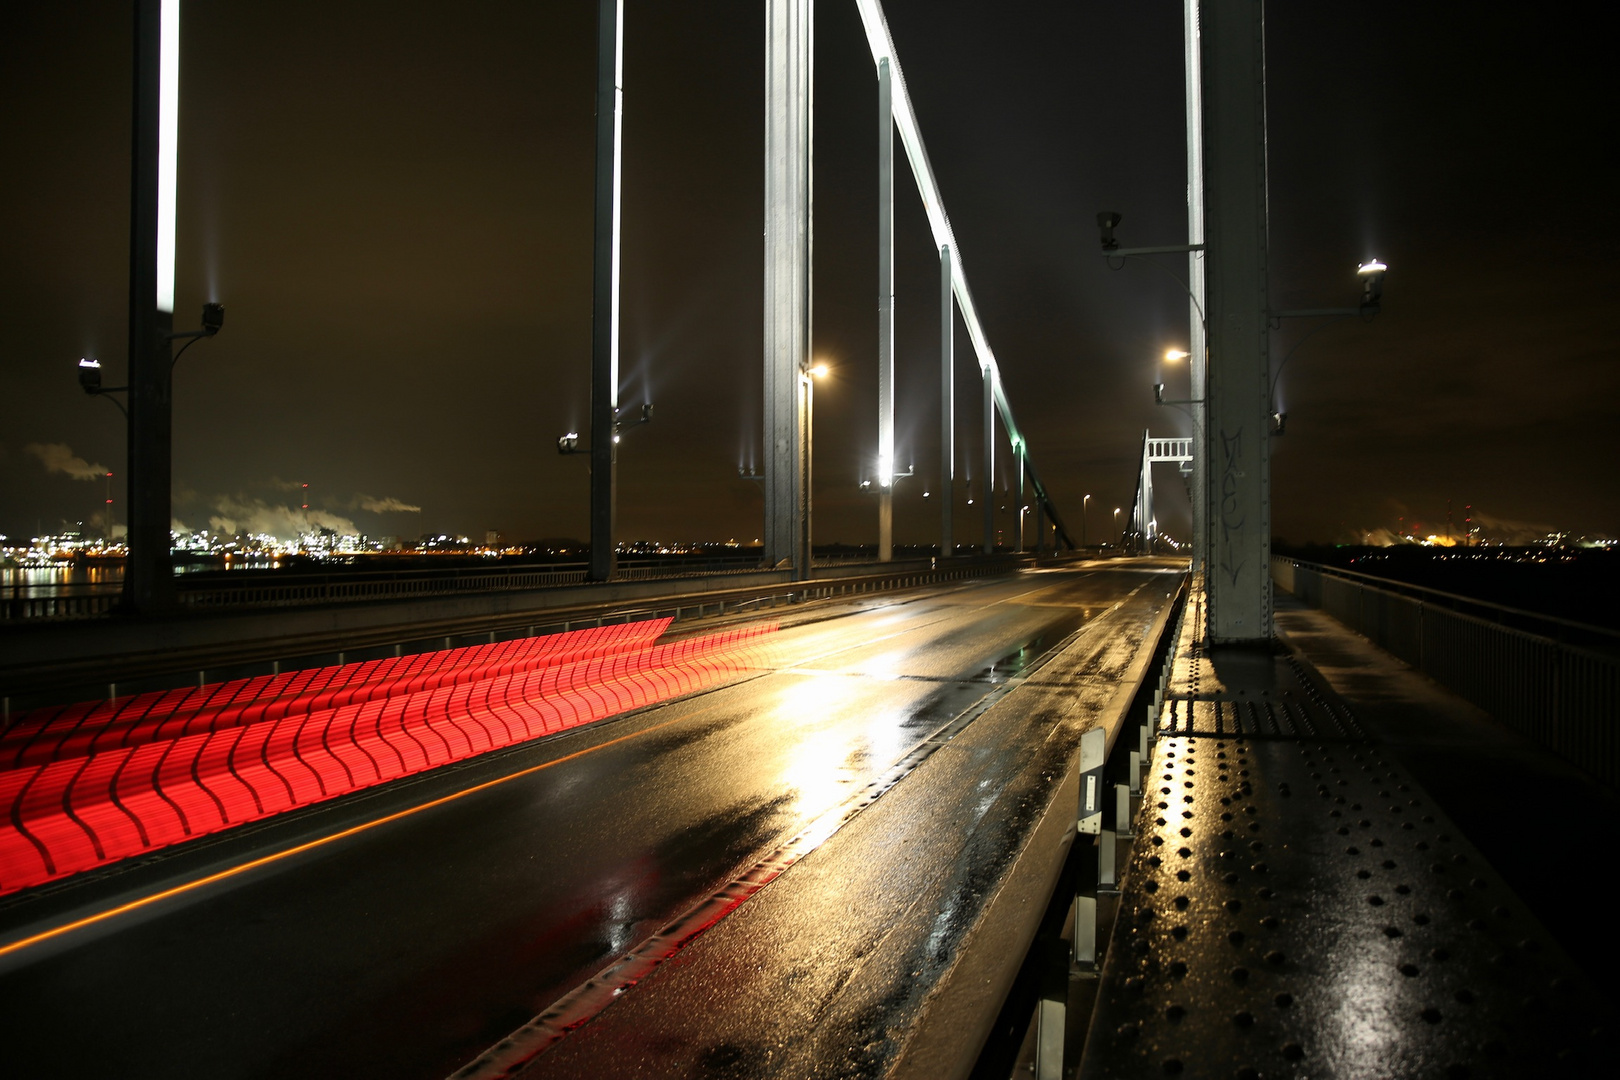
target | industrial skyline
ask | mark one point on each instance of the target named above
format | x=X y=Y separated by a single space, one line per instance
x=396 y=208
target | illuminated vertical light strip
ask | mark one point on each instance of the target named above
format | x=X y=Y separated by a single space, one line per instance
x=885 y=275
x=947 y=407
x=168 y=148
x=905 y=120
x=605 y=259
x=618 y=183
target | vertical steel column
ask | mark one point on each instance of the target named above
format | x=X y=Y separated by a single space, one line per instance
x=605 y=286
x=1197 y=345
x=803 y=554
x=1145 y=487
x=1237 y=437
x=149 y=578
x=989 y=492
x=788 y=114
x=947 y=407
x=1019 y=449
x=885 y=312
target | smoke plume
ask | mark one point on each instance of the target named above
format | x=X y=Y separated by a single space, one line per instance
x=257 y=517
x=385 y=505
x=59 y=457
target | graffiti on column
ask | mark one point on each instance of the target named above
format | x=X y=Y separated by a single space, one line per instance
x=1232 y=515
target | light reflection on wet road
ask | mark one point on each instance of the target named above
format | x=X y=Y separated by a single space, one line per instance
x=405 y=950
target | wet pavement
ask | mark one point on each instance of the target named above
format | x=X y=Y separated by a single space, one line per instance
x=1298 y=903
x=405 y=948
x=1465 y=759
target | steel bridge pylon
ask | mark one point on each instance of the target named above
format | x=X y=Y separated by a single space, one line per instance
x=1144 y=523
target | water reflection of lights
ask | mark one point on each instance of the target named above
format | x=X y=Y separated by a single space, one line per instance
x=884 y=666
x=620 y=921
x=817 y=765
x=1365 y=1005
x=884 y=615
x=818 y=772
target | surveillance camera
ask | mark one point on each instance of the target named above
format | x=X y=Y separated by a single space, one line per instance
x=213 y=318
x=1107 y=222
x=568 y=444
x=90 y=375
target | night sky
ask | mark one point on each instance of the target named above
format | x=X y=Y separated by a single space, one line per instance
x=393 y=200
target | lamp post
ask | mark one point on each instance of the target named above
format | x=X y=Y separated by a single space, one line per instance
x=1085 y=505
x=1371 y=273
x=148 y=576
x=807 y=381
x=1116 y=523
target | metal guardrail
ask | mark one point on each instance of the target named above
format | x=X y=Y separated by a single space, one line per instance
x=260 y=589
x=71 y=606
x=71 y=673
x=336 y=588
x=1563 y=693
x=241 y=589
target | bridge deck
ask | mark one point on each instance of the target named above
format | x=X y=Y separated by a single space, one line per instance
x=1298 y=904
x=405 y=929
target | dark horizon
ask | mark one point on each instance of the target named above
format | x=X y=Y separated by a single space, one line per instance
x=395 y=208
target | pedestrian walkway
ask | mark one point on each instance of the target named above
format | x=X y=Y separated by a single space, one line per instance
x=1298 y=903
x=1522 y=805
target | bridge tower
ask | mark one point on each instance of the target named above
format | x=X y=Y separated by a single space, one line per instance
x=605 y=287
x=1236 y=434
x=1197 y=343
x=149 y=579
x=789 y=84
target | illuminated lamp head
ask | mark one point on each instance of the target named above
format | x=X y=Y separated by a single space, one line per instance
x=1372 y=285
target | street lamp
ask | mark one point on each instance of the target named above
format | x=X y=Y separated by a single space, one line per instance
x=1372 y=285
x=807 y=379
x=1171 y=356
x=213 y=318
x=570 y=443
x=1371 y=273
x=1085 y=504
x=1116 y=524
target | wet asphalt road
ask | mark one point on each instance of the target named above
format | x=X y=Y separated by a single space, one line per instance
x=406 y=949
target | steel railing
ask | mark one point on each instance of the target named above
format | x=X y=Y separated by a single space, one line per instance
x=1552 y=680
x=259 y=589
x=232 y=589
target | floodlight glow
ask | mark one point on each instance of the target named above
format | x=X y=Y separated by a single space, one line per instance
x=90 y=364
x=886 y=469
x=1371 y=266
x=1176 y=354
x=819 y=371
x=168 y=148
